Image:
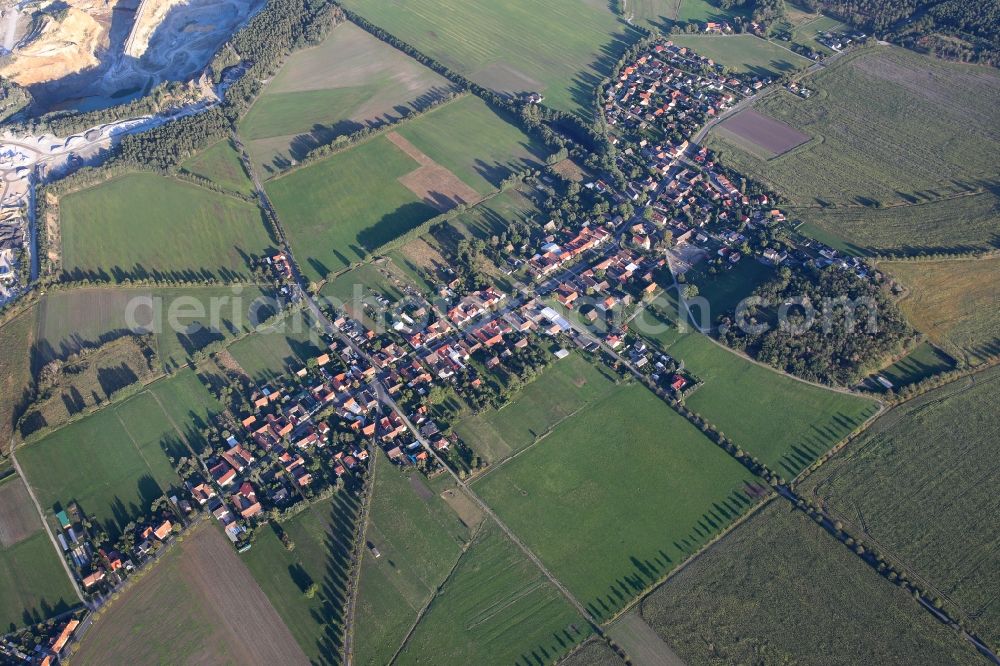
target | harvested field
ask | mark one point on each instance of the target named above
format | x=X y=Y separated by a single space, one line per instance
x=777 y=587
x=921 y=485
x=199 y=605
x=468 y=511
x=18 y=518
x=183 y=319
x=770 y=135
x=641 y=643
x=431 y=182
x=954 y=302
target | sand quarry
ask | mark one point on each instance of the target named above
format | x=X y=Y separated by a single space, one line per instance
x=85 y=54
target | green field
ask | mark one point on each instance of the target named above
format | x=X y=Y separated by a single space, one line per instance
x=221 y=164
x=953 y=302
x=340 y=209
x=784 y=422
x=472 y=142
x=16 y=344
x=922 y=362
x=337 y=211
x=920 y=483
x=562 y=48
x=322 y=535
x=779 y=590
x=148 y=226
x=496 y=608
x=744 y=53
x=115 y=462
x=938 y=225
x=279 y=348
x=181 y=318
x=565 y=387
x=617 y=496
x=350 y=81
x=865 y=106
x=419 y=539
x=33 y=585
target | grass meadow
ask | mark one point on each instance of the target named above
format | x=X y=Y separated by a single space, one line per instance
x=564 y=388
x=221 y=164
x=784 y=422
x=562 y=48
x=419 y=539
x=348 y=82
x=777 y=588
x=618 y=495
x=923 y=361
x=148 y=226
x=342 y=208
x=33 y=585
x=180 y=318
x=953 y=302
x=744 y=53
x=322 y=535
x=278 y=348
x=496 y=607
x=920 y=483
x=338 y=210
x=114 y=463
x=865 y=107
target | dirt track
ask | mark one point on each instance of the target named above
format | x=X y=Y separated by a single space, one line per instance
x=431 y=182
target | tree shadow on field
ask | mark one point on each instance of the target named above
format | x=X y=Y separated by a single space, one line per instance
x=343 y=515
x=393 y=225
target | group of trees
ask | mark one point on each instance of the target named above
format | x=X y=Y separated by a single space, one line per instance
x=825 y=325
x=921 y=23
